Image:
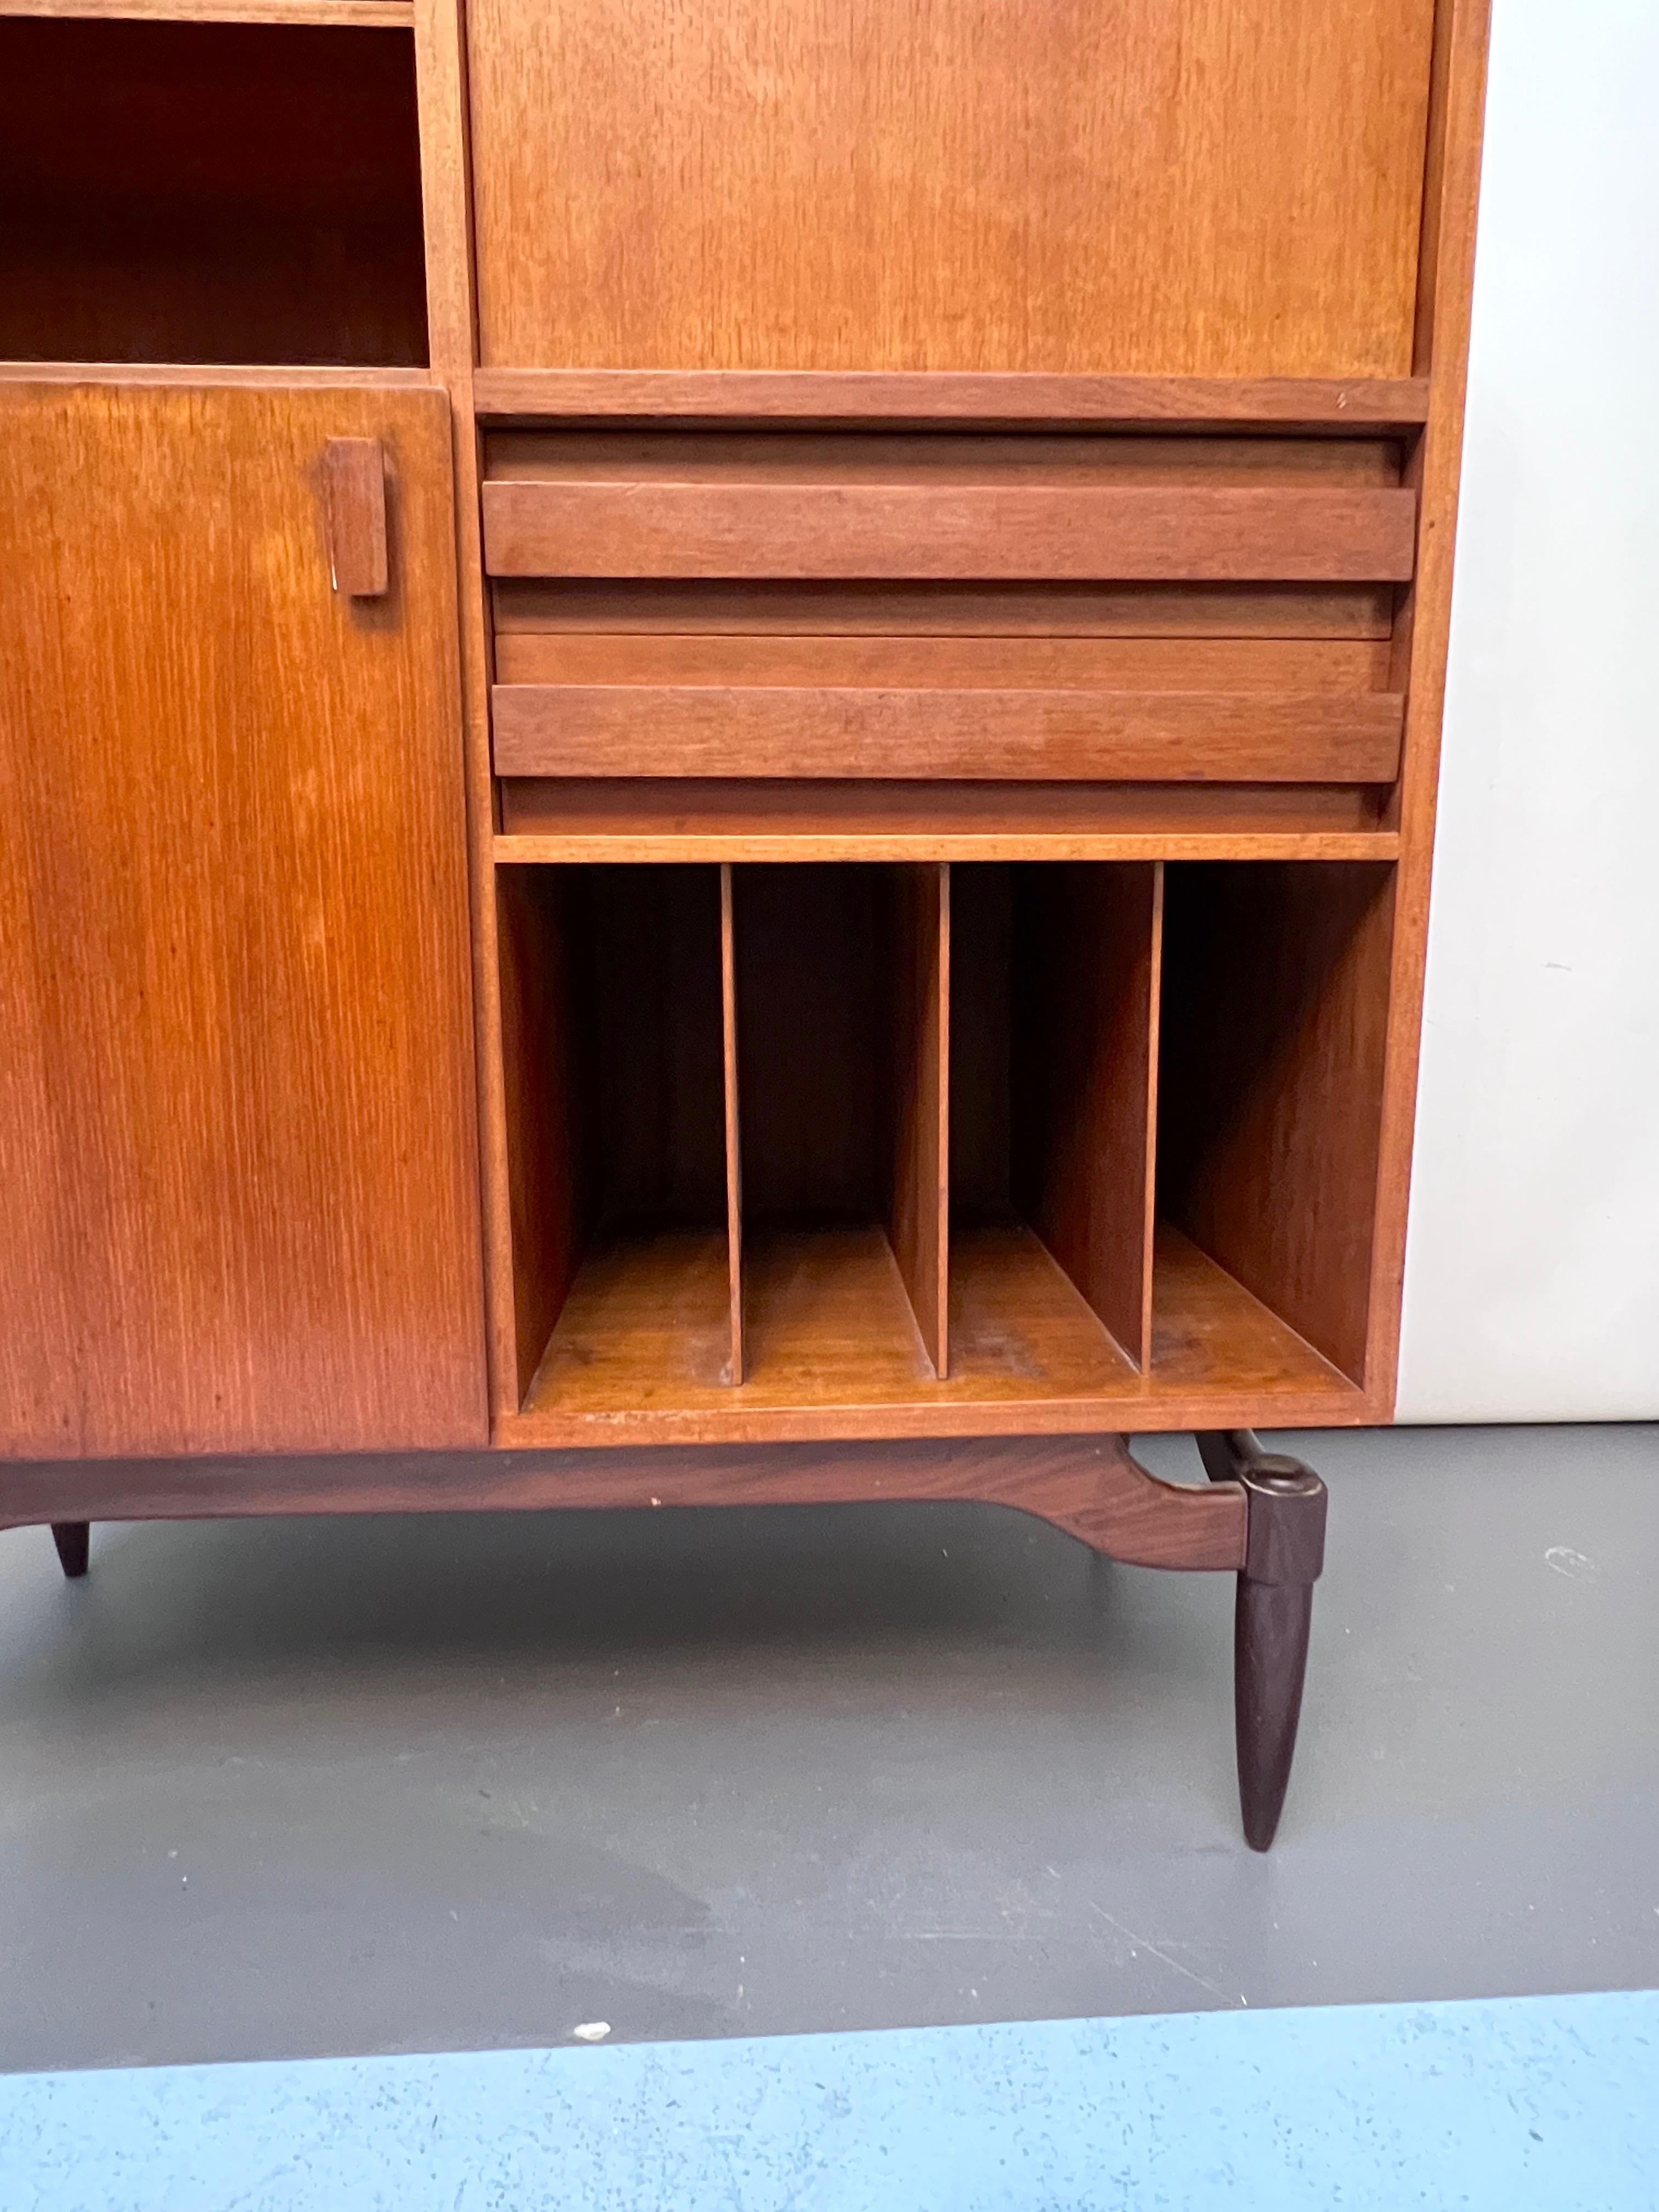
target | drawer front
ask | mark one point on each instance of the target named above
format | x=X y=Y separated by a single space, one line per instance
x=1000 y=609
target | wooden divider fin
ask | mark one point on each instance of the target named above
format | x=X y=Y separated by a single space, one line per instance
x=733 y=1122
x=918 y=1211
x=1088 y=953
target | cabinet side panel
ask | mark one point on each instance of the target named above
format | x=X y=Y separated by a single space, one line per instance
x=1422 y=630
x=237 y=1118
x=1208 y=187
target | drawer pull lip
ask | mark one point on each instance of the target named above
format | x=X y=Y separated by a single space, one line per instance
x=651 y=526
x=853 y=731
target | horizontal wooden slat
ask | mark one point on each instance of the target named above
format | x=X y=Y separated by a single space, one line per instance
x=907 y=664
x=214 y=376
x=810 y=459
x=371 y=15
x=683 y=818
x=738 y=730
x=717 y=608
x=1335 y=535
x=817 y=396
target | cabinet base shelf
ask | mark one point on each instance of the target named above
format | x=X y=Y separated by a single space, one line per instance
x=638 y=1354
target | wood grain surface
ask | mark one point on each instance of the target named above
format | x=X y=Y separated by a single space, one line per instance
x=639 y=1351
x=354 y=489
x=1086 y=962
x=347 y=14
x=1194 y=189
x=1424 y=631
x=994 y=663
x=1040 y=455
x=1276 y=1015
x=1201 y=534
x=730 y=1073
x=543 y=1148
x=534 y=607
x=236 y=1107
x=446 y=204
x=221 y=376
x=919 y=1207
x=959 y=397
x=713 y=730
x=690 y=819
x=1090 y=1486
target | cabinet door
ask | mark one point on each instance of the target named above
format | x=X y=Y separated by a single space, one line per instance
x=237 y=1115
x=1183 y=187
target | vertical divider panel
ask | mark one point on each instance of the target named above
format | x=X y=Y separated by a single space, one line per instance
x=1149 y=1154
x=545 y=1149
x=918 y=1211
x=733 y=1123
x=1088 y=961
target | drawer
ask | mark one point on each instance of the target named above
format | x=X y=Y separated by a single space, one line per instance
x=1084 y=608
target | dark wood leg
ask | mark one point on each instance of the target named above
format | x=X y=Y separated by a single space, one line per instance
x=74 y=1542
x=1285 y=1551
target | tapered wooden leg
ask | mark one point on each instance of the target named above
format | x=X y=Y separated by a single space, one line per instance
x=1285 y=1551
x=74 y=1542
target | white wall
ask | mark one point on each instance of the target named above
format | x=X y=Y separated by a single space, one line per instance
x=1532 y=1281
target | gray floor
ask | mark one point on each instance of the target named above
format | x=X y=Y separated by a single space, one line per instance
x=312 y=1787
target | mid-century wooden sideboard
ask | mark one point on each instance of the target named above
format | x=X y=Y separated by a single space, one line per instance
x=719 y=754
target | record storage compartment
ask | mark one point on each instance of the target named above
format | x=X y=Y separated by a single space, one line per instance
x=945 y=1143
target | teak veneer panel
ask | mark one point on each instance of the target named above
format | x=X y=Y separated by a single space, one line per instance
x=638 y=1353
x=1202 y=533
x=667 y=819
x=812 y=457
x=528 y=607
x=1110 y=664
x=237 y=1122
x=1086 y=959
x=545 y=1148
x=764 y=730
x=1275 y=1038
x=333 y=15
x=1446 y=276
x=733 y=1124
x=919 y=1210
x=1204 y=188
x=994 y=401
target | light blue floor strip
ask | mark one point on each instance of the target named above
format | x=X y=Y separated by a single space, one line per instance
x=1520 y=2103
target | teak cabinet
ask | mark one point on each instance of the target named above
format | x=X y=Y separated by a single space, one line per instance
x=719 y=753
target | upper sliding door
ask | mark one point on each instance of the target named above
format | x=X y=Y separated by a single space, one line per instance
x=1196 y=187
x=237 y=1140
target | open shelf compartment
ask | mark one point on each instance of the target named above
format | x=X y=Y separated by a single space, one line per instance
x=843 y=1149
x=175 y=192
x=1275 y=1038
x=624 y=1217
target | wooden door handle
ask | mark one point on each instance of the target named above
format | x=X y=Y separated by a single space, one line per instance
x=354 y=480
